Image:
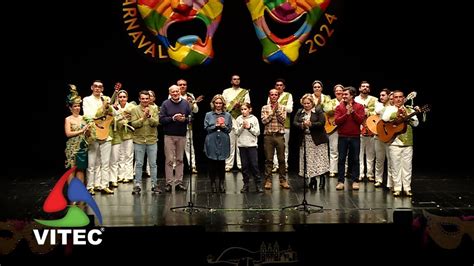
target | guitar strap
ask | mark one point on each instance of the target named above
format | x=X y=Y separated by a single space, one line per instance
x=284 y=101
x=238 y=98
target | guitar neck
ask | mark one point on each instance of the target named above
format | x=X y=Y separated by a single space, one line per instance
x=114 y=97
x=410 y=116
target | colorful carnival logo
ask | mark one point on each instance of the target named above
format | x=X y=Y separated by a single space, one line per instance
x=75 y=216
x=182 y=32
x=282 y=27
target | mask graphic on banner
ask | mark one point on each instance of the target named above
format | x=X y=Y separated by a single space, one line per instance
x=182 y=31
x=186 y=28
x=283 y=26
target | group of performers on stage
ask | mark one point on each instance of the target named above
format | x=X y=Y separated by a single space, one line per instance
x=344 y=137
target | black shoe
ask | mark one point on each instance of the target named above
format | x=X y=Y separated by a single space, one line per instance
x=180 y=187
x=322 y=181
x=168 y=188
x=221 y=186
x=313 y=183
x=155 y=189
x=213 y=187
x=245 y=188
x=259 y=189
x=136 y=190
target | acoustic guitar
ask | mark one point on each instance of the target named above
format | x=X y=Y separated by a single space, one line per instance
x=371 y=123
x=102 y=123
x=387 y=131
x=365 y=131
x=372 y=120
x=330 y=124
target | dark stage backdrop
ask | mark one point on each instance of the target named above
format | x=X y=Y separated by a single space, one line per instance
x=399 y=46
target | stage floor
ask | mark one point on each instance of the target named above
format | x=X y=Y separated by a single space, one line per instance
x=251 y=228
x=233 y=211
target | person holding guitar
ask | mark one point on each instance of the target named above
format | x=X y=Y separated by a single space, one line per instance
x=189 y=97
x=401 y=148
x=97 y=107
x=367 y=145
x=381 y=148
x=329 y=109
x=234 y=96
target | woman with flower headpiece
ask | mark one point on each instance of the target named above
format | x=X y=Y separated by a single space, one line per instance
x=77 y=130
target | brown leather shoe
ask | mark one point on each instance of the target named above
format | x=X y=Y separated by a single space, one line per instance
x=355 y=186
x=284 y=184
x=268 y=184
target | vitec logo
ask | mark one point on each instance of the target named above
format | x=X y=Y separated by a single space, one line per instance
x=75 y=217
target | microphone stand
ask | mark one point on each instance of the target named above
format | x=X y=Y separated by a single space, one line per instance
x=190 y=208
x=304 y=205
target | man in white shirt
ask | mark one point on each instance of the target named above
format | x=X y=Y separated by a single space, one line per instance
x=367 y=143
x=99 y=150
